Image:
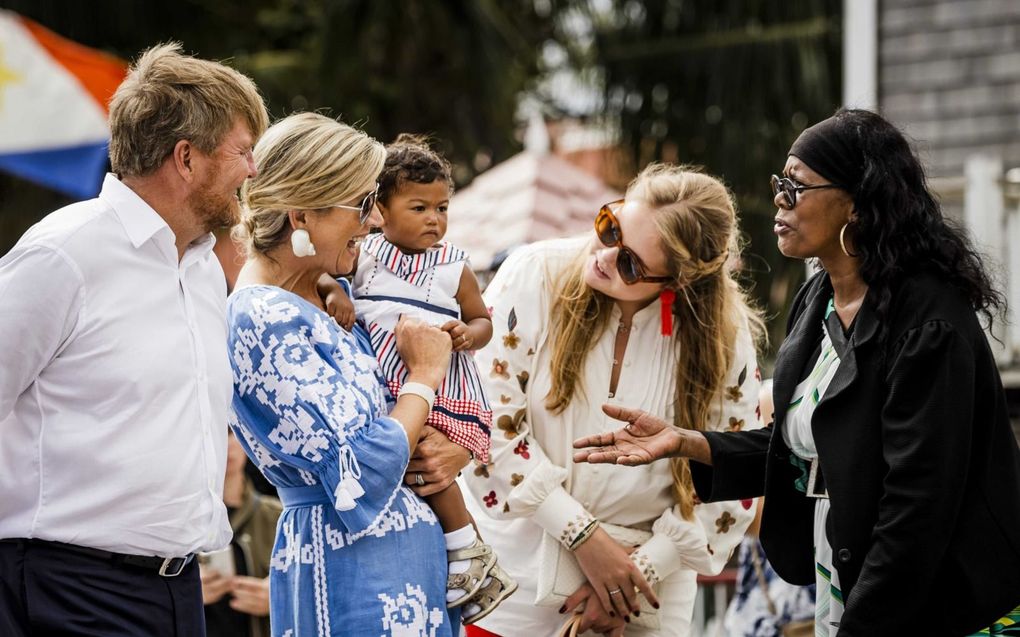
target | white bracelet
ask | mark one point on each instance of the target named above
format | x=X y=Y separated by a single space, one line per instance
x=421 y=390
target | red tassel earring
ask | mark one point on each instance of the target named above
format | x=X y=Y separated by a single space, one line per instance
x=666 y=298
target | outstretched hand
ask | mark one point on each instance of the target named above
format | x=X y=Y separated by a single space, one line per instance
x=643 y=439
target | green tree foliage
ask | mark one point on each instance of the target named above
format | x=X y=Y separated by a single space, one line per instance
x=450 y=68
x=726 y=85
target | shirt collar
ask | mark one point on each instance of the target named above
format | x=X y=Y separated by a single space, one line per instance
x=140 y=221
x=199 y=248
x=642 y=317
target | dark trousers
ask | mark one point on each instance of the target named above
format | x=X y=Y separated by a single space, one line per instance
x=48 y=590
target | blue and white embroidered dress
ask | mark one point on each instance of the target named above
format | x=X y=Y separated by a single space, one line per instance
x=357 y=552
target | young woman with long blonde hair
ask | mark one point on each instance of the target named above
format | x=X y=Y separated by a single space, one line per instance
x=643 y=312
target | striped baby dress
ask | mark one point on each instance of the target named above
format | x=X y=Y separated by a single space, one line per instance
x=389 y=283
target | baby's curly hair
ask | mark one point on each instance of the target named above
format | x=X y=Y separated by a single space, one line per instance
x=409 y=158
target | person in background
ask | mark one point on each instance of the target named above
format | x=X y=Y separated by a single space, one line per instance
x=115 y=383
x=891 y=475
x=237 y=597
x=643 y=310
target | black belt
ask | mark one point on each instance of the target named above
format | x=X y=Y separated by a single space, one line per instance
x=164 y=566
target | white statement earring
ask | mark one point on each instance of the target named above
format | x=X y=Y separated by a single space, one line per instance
x=301 y=243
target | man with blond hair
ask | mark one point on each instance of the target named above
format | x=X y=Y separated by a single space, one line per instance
x=115 y=384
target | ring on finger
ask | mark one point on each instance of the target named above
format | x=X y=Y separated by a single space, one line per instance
x=616 y=591
x=419 y=480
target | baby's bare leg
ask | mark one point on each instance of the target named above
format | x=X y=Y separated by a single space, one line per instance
x=449 y=507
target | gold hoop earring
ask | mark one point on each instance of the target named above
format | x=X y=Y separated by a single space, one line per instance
x=842 y=242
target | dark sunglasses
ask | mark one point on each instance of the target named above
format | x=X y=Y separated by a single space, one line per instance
x=365 y=209
x=791 y=188
x=628 y=264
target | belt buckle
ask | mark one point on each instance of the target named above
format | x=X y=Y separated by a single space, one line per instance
x=165 y=569
x=812 y=486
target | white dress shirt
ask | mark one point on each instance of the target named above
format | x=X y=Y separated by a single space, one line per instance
x=115 y=384
x=532 y=486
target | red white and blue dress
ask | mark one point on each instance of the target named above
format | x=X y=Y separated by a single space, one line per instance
x=389 y=283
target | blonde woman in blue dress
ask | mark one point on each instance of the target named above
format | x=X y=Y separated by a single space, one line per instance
x=357 y=552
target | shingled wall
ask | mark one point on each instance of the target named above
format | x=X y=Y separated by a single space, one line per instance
x=949 y=74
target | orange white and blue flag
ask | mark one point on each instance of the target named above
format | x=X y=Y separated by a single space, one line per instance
x=53 y=107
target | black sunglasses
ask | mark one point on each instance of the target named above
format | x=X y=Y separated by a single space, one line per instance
x=791 y=188
x=365 y=209
x=628 y=264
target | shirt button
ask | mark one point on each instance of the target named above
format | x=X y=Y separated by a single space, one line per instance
x=586 y=504
x=844 y=555
x=627 y=364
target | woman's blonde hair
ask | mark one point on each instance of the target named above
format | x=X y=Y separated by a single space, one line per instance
x=305 y=162
x=697 y=223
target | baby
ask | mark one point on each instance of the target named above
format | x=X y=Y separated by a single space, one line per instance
x=409 y=270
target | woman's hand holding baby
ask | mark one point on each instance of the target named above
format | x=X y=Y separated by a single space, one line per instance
x=425 y=351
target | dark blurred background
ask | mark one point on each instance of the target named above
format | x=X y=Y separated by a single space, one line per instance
x=727 y=85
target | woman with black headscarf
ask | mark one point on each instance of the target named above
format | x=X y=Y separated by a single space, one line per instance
x=891 y=473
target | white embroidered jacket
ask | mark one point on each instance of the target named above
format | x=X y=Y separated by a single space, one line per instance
x=531 y=474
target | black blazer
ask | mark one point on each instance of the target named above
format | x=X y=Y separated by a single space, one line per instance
x=920 y=462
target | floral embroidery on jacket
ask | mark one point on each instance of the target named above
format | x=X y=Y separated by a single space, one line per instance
x=733 y=393
x=725 y=521
x=491 y=500
x=574 y=528
x=522 y=450
x=511 y=426
x=645 y=566
x=515 y=479
x=511 y=340
x=499 y=369
x=522 y=378
x=736 y=424
x=503 y=398
x=482 y=470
